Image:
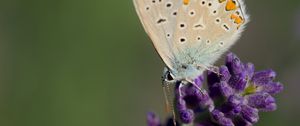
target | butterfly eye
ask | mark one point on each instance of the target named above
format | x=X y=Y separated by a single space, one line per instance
x=153 y=1
x=169 y=76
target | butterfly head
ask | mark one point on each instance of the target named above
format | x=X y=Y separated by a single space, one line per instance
x=183 y=72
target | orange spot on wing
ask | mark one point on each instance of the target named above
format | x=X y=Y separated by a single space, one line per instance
x=237 y=19
x=186 y=2
x=230 y=5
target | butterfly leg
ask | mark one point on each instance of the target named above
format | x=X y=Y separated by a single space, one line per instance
x=210 y=68
x=179 y=89
x=194 y=84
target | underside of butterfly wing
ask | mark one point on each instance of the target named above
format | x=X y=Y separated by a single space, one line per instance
x=190 y=35
x=158 y=18
x=205 y=29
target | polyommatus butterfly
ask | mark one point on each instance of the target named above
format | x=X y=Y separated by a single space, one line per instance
x=190 y=35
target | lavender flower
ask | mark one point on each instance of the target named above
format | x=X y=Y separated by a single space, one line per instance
x=234 y=97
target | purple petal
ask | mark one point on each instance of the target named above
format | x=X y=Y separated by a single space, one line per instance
x=181 y=104
x=249 y=67
x=238 y=82
x=191 y=90
x=272 y=88
x=152 y=119
x=229 y=59
x=263 y=77
x=212 y=78
x=250 y=114
x=206 y=101
x=193 y=97
x=220 y=118
x=225 y=89
x=234 y=64
x=199 y=80
x=214 y=90
x=262 y=101
x=225 y=74
x=233 y=105
x=235 y=100
x=186 y=116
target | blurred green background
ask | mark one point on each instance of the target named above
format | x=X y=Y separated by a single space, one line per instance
x=90 y=63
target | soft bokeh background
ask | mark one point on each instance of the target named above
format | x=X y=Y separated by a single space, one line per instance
x=89 y=62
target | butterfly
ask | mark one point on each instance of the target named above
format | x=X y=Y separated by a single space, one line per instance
x=190 y=35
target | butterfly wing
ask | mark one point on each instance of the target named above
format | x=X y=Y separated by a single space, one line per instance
x=158 y=20
x=188 y=33
x=205 y=29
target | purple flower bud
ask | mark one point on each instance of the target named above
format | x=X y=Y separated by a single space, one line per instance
x=272 y=87
x=249 y=67
x=234 y=97
x=263 y=77
x=214 y=90
x=225 y=74
x=225 y=89
x=152 y=119
x=199 y=80
x=220 y=118
x=193 y=96
x=212 y=78
x=190 y=90
x=250 y=114
x=186 y=116
x=229 y=58
x=233 y=105
x=238 y=82
x=234 y=64
x=262 y=101
x=206 y=101
x=235 y=100
x=181 y=104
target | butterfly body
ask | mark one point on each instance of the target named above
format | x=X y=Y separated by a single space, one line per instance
x=190 y=35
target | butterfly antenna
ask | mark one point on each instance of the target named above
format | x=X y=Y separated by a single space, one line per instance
x=169 y=105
